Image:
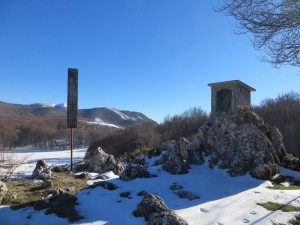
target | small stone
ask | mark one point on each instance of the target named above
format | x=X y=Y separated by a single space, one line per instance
x=59 y=169
x=125 y=194
x=70 y=189
x=102 y=177
x=188 y=195
x=142 y=193
x=47 y=184
x=3 y=190
x=14 y=197
x=135 y=171
x=176 y=187
x=83 y=176
x=106 y=185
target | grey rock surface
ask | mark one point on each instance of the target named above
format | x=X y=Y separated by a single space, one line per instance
x=42 y=171
x=155 y=211
x=135 y=171
x=241 y=143
x=98 y=161
x=3 y=190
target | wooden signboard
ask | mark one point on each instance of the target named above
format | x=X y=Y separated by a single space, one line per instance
x=72 y=98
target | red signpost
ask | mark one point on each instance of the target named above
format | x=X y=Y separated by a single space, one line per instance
x=72 y=105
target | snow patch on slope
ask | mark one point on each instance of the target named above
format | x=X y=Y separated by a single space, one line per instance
x=61 y=105
x=99 y=121
x=50 y=105
x=122 y=115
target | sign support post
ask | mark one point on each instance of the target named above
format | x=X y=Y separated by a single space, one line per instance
x=71 y=147
x=72 y=106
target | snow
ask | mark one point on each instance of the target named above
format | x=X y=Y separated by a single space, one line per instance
x=61 y=105
x=99 y=121
x=50 y=105
x=44 y=105
x=224 y=200
x=288 y=172
x=122 y=115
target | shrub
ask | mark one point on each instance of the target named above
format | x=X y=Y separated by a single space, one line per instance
x=183 y=125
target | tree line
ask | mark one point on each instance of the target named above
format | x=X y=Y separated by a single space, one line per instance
x=46 y=133
x=151 y=135
x=282 y=112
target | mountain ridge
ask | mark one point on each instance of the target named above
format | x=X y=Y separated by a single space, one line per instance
x=99 y=115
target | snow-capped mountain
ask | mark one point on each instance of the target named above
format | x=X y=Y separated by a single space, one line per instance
x=112 y=116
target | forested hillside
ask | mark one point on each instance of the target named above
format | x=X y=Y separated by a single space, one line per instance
x=44 y=125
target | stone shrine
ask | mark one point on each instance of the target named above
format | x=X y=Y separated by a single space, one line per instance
x=229 y=96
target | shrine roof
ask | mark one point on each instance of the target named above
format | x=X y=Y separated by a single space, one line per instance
x=232 y=82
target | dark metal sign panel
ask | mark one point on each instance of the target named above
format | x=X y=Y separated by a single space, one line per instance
x=72 y=98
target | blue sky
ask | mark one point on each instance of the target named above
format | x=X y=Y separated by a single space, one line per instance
x=151 y=56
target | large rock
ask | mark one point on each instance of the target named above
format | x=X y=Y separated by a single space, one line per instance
x=241 y=143
x=155 y=211
x=173 y=162
x=177 y=157
x=3 y=190
x=42 y=171
x=182 y=147
x=98 y=161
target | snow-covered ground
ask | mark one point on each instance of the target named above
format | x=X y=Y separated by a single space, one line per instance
x=224 y=200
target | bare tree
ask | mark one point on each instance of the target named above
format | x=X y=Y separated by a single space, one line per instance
x=283 y=112
x=183 y=125
x=275 y=25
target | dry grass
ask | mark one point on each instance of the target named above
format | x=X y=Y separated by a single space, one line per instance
x=294 y=186
x=273 y=206
x=27 y=192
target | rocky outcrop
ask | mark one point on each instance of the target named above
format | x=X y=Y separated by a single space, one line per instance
x=57 y=201
x=155 y=211
x=241 y=143
x=173 y=162
x=135 y=171
x=63 y=205
x=3 y=190
x=182 y=147
x=96 y=160
x=42 y=171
